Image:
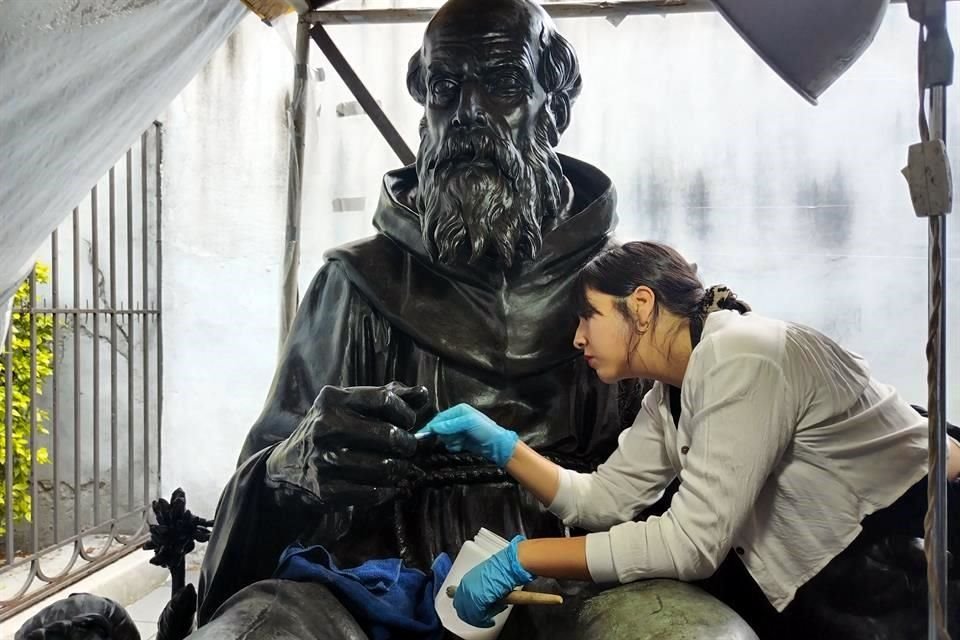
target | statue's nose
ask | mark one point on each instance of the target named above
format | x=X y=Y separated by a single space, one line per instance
x=470 y=111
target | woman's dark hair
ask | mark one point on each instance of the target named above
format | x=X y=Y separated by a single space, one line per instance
x=618 y=271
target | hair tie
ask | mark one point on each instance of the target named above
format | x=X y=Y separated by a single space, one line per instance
x=720 y=297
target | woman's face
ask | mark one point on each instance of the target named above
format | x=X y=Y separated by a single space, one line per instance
x=606 y=338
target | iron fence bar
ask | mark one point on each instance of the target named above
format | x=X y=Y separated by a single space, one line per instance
x=158 y=214
x=91 y=530
x=26 y=583
x=94 y=556
x=8 y=441
x=40 y=594
x=117 y=537
x=130 y=331
x=65 y=570
x=144 y=525
x=144 y=237
x=114 y=453
x=101 y=311
x=54 y=414
x=81 y=551
x=76 y=372
x=34 y=530
x=95 y=283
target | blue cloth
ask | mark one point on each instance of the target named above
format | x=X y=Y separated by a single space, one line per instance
x=388 y=600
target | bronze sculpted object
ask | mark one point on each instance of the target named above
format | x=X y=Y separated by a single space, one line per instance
x=463 y=292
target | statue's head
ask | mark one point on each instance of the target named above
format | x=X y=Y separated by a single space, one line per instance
x=81 y=616
x=497 y=83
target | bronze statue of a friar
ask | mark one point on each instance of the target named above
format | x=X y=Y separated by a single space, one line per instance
x=462 y=296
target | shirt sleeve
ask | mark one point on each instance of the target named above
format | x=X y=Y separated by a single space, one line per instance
x=741 y=428
x=633 y=477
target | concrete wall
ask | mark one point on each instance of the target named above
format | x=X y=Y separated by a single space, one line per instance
x=802 y=210
x=225 y=185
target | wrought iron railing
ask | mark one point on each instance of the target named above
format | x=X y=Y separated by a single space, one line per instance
x=82 y=461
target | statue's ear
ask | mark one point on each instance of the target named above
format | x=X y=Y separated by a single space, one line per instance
x=560 y=107
x=559 y=75
x=416 y=80
x=557 y=110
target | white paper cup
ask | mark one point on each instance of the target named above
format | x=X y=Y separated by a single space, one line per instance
x=484 y=544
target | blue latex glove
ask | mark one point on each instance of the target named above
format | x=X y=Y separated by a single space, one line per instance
x=480 y=591
x=463 y=428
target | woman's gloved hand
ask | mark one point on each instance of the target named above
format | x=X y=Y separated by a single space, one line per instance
x=463 y=428
x=478 y=597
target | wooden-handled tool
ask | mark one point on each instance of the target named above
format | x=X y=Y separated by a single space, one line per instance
x=521 y=597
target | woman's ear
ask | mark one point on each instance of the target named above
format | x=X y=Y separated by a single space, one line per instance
x=642 y=302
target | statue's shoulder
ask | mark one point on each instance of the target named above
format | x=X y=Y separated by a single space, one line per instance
x=376 y=268
x=349 y=268
x=367 y=255
x=368 y=264
x=383 y=275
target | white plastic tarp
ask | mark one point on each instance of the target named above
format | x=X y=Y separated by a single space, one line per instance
x=79 y=81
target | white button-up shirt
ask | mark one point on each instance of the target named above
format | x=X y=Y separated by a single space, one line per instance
x=785 y=443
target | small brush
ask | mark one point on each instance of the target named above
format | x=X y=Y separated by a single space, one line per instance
x=520 y=597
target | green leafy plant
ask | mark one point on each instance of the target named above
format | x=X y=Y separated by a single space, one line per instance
x=20 y=397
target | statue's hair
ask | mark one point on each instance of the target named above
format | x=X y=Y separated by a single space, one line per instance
x=558 y=72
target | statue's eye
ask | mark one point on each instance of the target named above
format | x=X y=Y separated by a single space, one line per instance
x=443 y=87
x=507 y=84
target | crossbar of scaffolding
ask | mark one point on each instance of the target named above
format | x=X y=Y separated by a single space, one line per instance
x=557 y=10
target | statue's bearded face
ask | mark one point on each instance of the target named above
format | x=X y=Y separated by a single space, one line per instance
x=488 y=174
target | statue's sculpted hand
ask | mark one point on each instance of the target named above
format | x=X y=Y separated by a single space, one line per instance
x=353 y=447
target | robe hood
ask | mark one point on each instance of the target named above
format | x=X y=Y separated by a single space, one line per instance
x=509 y=324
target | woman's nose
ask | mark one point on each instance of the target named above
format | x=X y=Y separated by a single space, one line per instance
x=580 y=337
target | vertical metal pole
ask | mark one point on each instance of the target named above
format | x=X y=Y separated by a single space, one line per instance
x=54 y=413
x=34 y=534
x=130 y=334
x=158 y=212
x=291 y=254
x=146 y=321
x=114 y=453
x=76 y=373
x=937 y=357
x=95 y=284
x=8 y=441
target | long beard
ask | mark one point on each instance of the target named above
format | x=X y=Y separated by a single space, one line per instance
x=481 y=195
